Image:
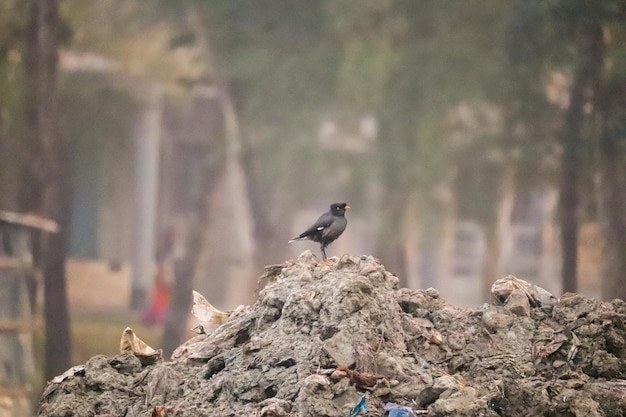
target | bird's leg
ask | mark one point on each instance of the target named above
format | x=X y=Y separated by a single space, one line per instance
x=325 y=261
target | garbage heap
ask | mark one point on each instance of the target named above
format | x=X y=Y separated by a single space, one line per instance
x=343 y=339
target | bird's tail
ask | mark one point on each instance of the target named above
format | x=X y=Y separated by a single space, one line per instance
x=295 y=239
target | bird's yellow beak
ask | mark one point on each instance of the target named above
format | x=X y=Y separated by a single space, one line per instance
x=347 y=207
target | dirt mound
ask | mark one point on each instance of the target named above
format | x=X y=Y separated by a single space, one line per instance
x=320 y=337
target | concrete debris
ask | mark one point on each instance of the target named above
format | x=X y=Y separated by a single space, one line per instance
x=321 y=336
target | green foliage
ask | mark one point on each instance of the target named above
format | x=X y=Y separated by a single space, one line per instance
x=14 y=16
x=13 y=19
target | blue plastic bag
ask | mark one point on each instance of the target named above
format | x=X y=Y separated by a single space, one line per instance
x=359 y=407
x=396 y=410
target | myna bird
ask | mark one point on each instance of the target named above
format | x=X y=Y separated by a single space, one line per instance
x=327 y=228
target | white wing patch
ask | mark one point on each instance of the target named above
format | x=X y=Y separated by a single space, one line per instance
x=321 y=228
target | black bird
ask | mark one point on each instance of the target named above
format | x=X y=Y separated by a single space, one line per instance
x=327 y=228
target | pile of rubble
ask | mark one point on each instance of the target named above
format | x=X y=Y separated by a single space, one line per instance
x=343 y=339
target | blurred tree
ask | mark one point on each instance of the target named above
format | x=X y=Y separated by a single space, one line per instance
x=610 y=116
x=613 y=171
x=15 y=121
x=585 y=83
x=147 y=42
x=46 y=176
x=278 y=61
x=32 y=151
x=270 y=67
x=558 y=56
x=416 y=66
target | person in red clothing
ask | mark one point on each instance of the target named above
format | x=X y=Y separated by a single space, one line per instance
x=163 y=280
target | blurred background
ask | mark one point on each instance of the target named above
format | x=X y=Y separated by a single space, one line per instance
x=148 y=148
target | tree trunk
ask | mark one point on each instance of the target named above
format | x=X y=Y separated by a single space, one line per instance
x=55 y=198
x=613 y=186
x=613 y=190
x=390 y=245
x=180 y=298
x=569 y=188
x=269 y=240
x=30 y=191
x=572 y=160
x=240 y=246
x=495 y=233
x=186 y=268
x=412 y=249
x=242 y=284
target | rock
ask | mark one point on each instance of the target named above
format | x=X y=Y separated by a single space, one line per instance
x=456 y=341
x=389 y=366
x=214 y=366
x=340 y=348
x=517 y=303
x=162 y=384
x=537 y=296
x=411 y=300
x=495 y=319
x=337 y=375
x=127 y=364
x=573 y=402
x=463 y=402
x=428 y=396
x=432 y=292
x=314 y=384
x=315 y=398
x=275 y=407
x=446 y=382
